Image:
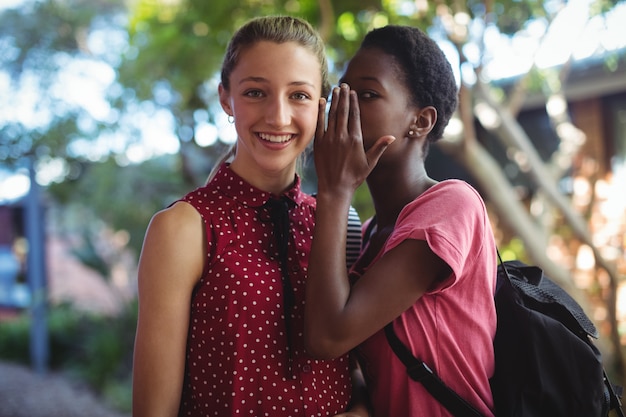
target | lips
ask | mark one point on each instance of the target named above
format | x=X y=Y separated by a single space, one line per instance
x=275 y=138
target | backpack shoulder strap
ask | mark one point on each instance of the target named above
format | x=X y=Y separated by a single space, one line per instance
x=420 y=372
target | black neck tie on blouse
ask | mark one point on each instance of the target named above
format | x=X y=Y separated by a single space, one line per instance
x=279 y=216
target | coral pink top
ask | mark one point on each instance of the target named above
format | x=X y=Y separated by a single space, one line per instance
x=451 y=327
x=238 y=354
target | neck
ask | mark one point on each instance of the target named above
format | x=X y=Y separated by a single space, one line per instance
x=275 y=182
x=392 y=189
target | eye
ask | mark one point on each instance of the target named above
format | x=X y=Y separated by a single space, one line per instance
x=368 y=95
x=301 y=96
x=253 y=93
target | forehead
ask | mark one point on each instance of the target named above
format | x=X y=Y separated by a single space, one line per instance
x=289 y=61
x=373 y=63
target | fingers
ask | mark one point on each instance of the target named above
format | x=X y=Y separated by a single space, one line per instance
x=332 y=111
x=375 y=152
x=321 y=119
x=343 y=109
x=339 y=111
x=354 y=117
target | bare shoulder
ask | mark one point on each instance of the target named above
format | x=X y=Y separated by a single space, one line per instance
x=174 y=244
x=178 y=218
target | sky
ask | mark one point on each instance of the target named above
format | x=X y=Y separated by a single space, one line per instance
x=571 y=33
x=7 y=4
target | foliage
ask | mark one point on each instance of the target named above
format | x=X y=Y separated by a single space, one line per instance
x=173 y=52
x=168 y=61
x=138 y=191
x=84 y=346
x=38 y=40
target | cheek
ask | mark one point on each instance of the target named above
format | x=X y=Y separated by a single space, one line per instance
x=242 y=111
x=369 y=125
x=371 y=116
x=307 y=118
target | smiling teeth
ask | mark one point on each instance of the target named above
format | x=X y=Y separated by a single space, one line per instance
x=275 y=138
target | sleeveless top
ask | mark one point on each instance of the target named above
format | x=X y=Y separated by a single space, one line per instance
x=245 y=353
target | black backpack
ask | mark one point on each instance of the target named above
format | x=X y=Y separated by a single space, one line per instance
x=546 y=364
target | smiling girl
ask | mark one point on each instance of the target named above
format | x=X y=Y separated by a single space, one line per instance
x=222 y=271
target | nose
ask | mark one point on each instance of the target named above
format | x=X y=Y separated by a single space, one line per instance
x=278 y=112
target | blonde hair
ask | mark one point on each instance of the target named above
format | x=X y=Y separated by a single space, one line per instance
x=225 y=157
x=277 y=29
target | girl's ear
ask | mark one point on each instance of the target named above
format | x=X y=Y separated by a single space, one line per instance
x=425 y=120
x=225 y=99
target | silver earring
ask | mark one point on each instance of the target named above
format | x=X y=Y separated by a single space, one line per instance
x=411 y=132
x=231 y=119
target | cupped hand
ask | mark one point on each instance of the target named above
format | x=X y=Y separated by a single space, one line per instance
x=341 y=161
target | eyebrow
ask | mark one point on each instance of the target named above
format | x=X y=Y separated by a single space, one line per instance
x=264 y=80
x=343 y=80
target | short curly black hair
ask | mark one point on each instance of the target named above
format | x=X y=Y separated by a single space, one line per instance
x=426 y=70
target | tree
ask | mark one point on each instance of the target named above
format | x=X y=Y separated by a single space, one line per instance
x=343 y=24
x=39 y=40
x=174 y=50
x=545 y=176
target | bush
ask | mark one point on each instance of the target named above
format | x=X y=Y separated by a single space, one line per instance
x=92 y=348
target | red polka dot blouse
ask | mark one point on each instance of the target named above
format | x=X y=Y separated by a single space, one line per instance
x=243 y=357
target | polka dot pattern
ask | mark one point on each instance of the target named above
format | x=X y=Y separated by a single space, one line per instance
x=237 y=348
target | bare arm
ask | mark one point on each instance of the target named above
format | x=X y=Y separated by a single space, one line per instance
x=338 y=317
x=171 y=263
